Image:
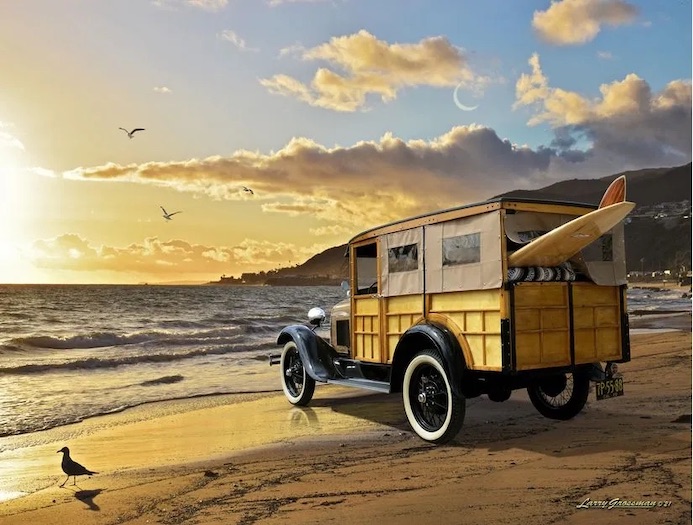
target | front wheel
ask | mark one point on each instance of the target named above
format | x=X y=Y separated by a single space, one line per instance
x=298 y=386
x=560 y=396
x=434 y=411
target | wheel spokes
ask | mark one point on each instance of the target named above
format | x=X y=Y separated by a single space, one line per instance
x=294 y=374
x=430 y=400
x=561 y=399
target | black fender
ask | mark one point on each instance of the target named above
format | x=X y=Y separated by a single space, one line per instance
x=428 y=335
x=316 y=354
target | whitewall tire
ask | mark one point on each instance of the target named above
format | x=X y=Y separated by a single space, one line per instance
x=433 y=409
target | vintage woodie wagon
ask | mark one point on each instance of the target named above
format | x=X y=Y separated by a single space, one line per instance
x=435 y=310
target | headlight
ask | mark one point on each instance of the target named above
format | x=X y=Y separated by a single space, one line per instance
x=316 y=316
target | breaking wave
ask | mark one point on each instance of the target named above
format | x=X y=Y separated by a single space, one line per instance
x=94 y=363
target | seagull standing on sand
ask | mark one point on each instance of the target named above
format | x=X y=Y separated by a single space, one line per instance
x=131 y=133
x=72 y=468
x=168 y=216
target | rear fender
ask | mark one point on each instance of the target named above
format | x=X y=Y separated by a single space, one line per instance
x=434 y=336
x=317 y=355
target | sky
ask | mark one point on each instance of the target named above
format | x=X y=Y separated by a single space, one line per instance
x=339 y=115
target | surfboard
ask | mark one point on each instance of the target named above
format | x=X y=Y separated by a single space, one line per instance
x=560 y=244
x=616 y=192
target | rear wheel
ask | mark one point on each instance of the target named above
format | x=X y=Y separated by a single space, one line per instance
x=434 y=411
x=298 y=386
x=560 y=396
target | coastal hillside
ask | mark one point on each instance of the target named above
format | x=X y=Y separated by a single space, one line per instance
x=658 y=230
x=648 y=187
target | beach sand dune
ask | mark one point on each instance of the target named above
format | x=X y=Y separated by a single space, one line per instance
x=351 y=458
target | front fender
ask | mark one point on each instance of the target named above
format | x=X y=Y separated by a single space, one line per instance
x=316 y=354
x=429 y=335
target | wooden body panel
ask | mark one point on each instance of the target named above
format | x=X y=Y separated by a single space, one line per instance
x=515 y=327
x=401 y=313
x=475 y=319
x=542 y=325
x=473 y=316
x=547 y=315
x=545 y=326
x=366 y=328
x=597 y=322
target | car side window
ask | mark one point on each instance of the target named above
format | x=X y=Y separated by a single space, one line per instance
x=366 y=269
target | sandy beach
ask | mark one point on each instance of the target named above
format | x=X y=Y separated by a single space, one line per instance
x=351 y=458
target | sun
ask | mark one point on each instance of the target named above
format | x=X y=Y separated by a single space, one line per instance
x=16 y=191
x=10 y=187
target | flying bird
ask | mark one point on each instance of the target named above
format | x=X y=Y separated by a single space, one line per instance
x=168 y=216
x=248 y=190
x=72 y=468
x=131 y=133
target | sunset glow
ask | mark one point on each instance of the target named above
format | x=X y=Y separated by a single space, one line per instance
x=338 y=115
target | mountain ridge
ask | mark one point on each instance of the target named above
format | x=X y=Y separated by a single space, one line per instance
x=658 y=232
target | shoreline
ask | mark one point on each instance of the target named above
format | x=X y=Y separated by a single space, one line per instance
x=172 y=400
x=242 y=455
x=641 y=321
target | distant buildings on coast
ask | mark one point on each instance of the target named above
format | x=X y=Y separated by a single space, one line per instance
x=280 y=278
x=680 y=210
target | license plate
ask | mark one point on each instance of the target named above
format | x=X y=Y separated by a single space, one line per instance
x=607 y=388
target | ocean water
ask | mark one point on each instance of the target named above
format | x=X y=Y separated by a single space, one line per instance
x=68 y=352
x=71 y=352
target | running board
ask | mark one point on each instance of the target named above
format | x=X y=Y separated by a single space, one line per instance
x=368 y=384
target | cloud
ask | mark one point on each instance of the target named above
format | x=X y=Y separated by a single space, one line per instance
x=629 y=126
x=209 y=5
x=274 y=3
x=368 y=66
x=335 y=185
x=294 y=49
x=162 y=89
x=570 y=22
x=72 y=252
x=334 y=230
x=232 y=36
x=605 y=55
x=628 y=121
x=43 y=172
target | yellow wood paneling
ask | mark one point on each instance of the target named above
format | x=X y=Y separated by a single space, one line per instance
x=366 y=322
x=473 y=300
x=366 y=305
x=474 y=316
x=554 y=344
x=530 y=343
x=541 y=294
x=405 y=303
x=542 y=325
x=606 y=316
x=492 y=354
x=528 y=319
x=401 y=313
x=597 y=322
x=555 y=319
